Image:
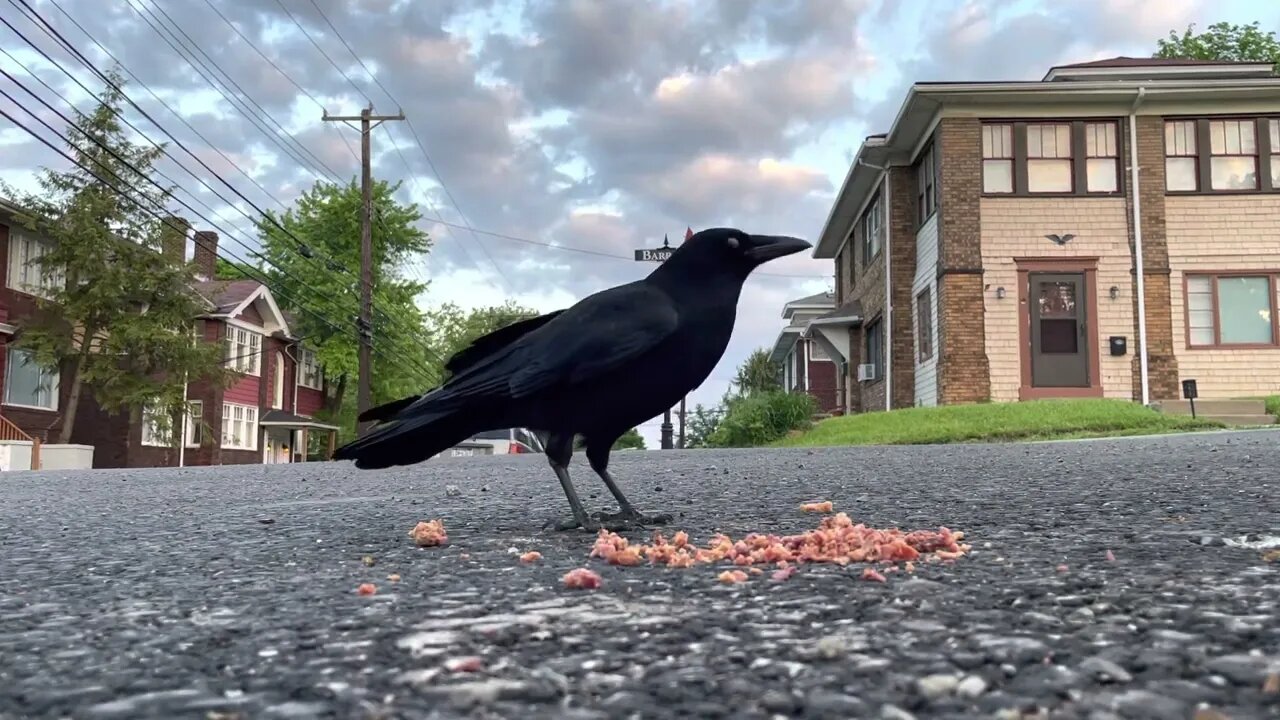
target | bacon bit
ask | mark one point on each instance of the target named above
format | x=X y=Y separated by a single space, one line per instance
x=532 y=556
x=581 y=578
x=871 y=574
x=464 y=556
x=1111 y=557
x=1062 y=568
x=1271 y=686
x=368 y=561
x=910 y=567
x=1271 y=555
x=731 y=577
x=755 y=571
x=783 y=573
x=429 y=534
x=817 y=507
x=394 y=577
x=464 y=664
x=366 y=589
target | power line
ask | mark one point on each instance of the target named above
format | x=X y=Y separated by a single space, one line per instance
x=304 y=250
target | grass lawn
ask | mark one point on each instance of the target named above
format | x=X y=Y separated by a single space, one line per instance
x=1273 y=404
x=995 y=422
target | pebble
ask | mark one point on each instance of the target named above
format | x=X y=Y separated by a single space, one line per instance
x=971 y=687
x=452 y=490
x=1240 y=669
x=778 y=701
x=934 y=687
x=1105 y=670
x=824 y=703
x=1146 y=705
x=893 y=712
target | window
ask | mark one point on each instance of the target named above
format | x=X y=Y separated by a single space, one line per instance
x=27 y=384
x=817 y=353
x=874 y=343
x=309 y=369
x=1222 y=154
x=1231 y=310
x=872 y=230
x=1061 y=157
x=997 y=158
x=924 y=324
x=926 y=186
x=239 y=427
x=157 y=431
x=26 y=273
x=244 y=350
x=1049 y=158
x=1102 y=157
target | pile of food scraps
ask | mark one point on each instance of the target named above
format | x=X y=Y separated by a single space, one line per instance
x=837 y=540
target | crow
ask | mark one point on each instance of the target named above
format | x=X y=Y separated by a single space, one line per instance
x=606 y=364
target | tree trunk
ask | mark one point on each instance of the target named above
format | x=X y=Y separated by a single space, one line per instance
x=334 y=401
x=76 y=370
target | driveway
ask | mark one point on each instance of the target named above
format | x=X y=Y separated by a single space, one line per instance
x=231 y=592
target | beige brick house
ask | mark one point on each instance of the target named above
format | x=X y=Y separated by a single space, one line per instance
x=989 y=238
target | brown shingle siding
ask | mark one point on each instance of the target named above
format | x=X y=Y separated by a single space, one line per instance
x=902 y=268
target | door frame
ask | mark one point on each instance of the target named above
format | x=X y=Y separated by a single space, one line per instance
x=1088 y=268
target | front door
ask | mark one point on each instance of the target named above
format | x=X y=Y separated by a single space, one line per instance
x=1059 y=336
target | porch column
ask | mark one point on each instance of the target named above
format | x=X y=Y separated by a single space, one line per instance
x=306 y=444
x=333 y=443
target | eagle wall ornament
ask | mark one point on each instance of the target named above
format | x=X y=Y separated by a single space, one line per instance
x=1061 y=239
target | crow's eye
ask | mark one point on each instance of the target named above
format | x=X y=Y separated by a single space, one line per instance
x=733 y=243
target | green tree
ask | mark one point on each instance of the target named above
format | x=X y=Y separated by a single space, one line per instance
x=701 y=423
x=453 y=328
x=630 y=440
x=758 y=373
x=326 y=220
x=1222 y=41
x=113 y=312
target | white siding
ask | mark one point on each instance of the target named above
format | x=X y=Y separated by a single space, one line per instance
x=926 y=277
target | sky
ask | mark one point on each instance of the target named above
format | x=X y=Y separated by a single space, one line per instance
x=547 y=140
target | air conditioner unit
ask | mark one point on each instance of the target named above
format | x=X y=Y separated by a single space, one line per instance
x=866 y=371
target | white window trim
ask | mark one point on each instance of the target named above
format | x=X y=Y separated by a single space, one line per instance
x=153 y=438
x=252 y=430
x=239 y=344
x=303 y=355
x=42 y=287
x=55 y=383
x=195 y=417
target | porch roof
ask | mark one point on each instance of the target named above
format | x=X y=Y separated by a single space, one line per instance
x=280 y=418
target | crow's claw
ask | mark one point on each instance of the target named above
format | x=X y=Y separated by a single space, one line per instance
x=619 y=521
x=572 y=523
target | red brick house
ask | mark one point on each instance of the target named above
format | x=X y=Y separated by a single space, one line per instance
x=1104 y=231
x=807 y=365
x=266 y=415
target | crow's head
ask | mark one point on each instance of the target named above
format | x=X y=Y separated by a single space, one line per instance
x=731 y=248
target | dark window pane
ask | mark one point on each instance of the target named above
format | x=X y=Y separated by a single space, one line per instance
x=1058 y=336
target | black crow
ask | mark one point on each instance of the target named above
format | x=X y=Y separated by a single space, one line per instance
x=613 y=360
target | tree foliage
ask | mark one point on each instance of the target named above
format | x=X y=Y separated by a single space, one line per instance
x=1222 y=41
x=453 y=328
x=115 y=314
x=758 y=373
x=322 y=292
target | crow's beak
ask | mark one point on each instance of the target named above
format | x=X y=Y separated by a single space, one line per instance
x=771 y=247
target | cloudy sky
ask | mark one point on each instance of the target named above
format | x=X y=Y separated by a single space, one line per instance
x=594 y=126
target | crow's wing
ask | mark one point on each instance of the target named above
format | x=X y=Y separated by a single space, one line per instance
x=599 y=334
x=486 y=345
x=479 y=349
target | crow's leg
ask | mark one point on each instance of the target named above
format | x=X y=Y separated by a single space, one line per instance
x=559 y=453
x=627 y=515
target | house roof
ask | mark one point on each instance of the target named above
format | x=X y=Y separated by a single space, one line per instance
x=816 y=301
x=850 y=313
x=1126 y=61
x=280 y=418
x=1114 y=87
x=226 y=295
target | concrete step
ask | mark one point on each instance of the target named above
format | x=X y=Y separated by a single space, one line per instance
x=1214 y=407
x=1239 y=420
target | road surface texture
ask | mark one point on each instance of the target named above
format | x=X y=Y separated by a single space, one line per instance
x=230 y=592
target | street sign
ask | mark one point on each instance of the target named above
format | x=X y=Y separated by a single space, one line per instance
x=661 y=254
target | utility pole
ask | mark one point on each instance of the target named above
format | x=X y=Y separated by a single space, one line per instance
x=682 y=401
x=364 y=323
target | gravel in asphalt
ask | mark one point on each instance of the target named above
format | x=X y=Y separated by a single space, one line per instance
x=230 y=592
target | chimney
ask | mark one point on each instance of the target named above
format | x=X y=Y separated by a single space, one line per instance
x=173 y=239
x=206 y=255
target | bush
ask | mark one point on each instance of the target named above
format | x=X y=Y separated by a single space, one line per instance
x=762 y=418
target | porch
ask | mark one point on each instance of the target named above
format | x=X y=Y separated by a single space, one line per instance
x=287 y=438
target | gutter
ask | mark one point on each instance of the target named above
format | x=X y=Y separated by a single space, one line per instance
x=887 y=337
x=1137 y=246
x=186 y=415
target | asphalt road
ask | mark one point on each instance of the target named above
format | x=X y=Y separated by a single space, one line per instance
x=231 y=592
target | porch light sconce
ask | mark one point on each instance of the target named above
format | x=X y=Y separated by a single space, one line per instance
x=1115 y=292
x=1000 y=293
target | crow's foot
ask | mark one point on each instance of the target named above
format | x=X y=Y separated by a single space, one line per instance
x=572 y=523
x=624 y=520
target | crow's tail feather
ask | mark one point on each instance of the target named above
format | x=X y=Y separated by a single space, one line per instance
x=407 y=441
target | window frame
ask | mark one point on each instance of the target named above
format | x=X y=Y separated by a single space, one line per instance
x=1079 y=157
x=193 y=434
x=243 y=346
x=21 y=241
x=1273 y=284
x=924 y=325
x=875 y=209
x=1204 y=153
x=55 y=385
x=875 y=328
x=303 y=356
x=251 y=429
x=926 y=174
x=195 y=423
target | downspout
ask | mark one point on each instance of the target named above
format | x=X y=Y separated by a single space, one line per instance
x=1137 y=246
x=186 y=414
